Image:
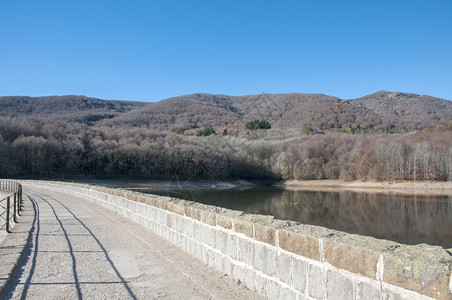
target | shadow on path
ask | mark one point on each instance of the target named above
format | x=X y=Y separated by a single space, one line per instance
x=32 y=252
x=33 y=241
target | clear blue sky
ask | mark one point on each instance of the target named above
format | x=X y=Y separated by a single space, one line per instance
x=151 y=50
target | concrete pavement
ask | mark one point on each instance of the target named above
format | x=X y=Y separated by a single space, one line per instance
x=78 y=250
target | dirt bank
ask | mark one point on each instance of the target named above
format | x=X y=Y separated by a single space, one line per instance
x=172 y=184
x=434 y=188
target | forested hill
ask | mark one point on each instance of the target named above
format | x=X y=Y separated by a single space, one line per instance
x=381 y=111
x=69 y=108
x=321 y=112
x=383 y=136
x=407 y=106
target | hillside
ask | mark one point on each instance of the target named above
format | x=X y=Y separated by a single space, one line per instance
x=80 y=137
x=422 y=108
x=382 y=111
x=68 y=108
x=319 y=111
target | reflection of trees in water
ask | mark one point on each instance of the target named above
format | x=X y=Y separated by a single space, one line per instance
x=406 y=219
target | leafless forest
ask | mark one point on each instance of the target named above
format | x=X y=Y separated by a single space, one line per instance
x=383 y=136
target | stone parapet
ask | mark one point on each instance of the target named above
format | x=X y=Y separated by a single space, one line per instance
x=282 y=259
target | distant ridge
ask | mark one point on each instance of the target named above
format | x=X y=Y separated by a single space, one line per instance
x=408 y=106
x=70 y=108
x=378 y=111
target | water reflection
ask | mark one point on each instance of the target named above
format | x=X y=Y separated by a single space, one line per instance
x=405 y=219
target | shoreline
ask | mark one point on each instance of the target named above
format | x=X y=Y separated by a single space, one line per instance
x=428 y=188
x=433 y=188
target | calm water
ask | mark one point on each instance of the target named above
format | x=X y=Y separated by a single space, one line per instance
x=404 y=219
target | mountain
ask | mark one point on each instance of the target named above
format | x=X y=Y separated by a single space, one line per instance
x=319 y=111
x=406 y=106
x=381 y=111
x=69 y=108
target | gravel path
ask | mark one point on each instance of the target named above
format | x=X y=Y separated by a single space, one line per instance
x=80 y=250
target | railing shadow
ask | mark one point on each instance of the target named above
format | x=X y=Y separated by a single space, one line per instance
x=32 y=252
x=19 y=270
x=101 y=247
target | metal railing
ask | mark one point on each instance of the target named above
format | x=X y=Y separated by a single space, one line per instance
x=10 y=206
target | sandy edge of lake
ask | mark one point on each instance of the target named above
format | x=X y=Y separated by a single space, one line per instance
x=434 y=188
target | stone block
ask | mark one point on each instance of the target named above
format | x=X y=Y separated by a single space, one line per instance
x=188 y=225
x=198 y=251
x=142 y=198
x=389 y=295
x=211 y=258
x=168 y=235
x=238 y=273
x=245 y=250
x=169 y=221
x=243 y=227
x=269 y=261
x=150 y=211
x=284 y=267
x=197 y=232
x=193 y=212
x=288 y=294
x=208 y=217
x=260 y=284
x=204 y=257
x=227 y=266
x=160 y=217
x=231 y=245
x=366 y=291
x=257 y=256
x=421 y=268
x=316 y=282
x=161 y=203
x=299 y=274
x=300 y=244
x=265 y=234
x=354 y=253
x=220 y=241
x=249 y=278
x=175 y=208
x=152 y=202
x=182 y=241
x=224 y=221
x=188 y=246
x=338 y=286
x=302 y=297
x=273 y=289
x=176 y=223
x=219 y=262
x=206 y=235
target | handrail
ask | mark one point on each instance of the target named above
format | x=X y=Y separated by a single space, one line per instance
x=12 y=202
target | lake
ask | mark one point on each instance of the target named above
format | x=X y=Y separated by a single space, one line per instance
x=401 y=218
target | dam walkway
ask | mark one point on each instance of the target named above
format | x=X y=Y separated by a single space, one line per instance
x=78 y=250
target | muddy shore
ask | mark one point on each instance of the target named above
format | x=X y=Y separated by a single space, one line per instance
x=434 y=188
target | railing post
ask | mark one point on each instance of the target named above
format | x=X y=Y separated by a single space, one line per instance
x=15 y=208
x=7 y=215
x=18 y=202
x=20 y=195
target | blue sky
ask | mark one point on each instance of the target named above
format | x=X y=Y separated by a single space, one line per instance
x=151 y=50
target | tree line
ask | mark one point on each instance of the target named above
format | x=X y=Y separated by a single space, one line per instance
x=35 y=148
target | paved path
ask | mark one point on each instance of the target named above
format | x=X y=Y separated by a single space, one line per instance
x=82 y=251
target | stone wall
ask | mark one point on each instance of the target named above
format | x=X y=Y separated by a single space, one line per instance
x=282 y=259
